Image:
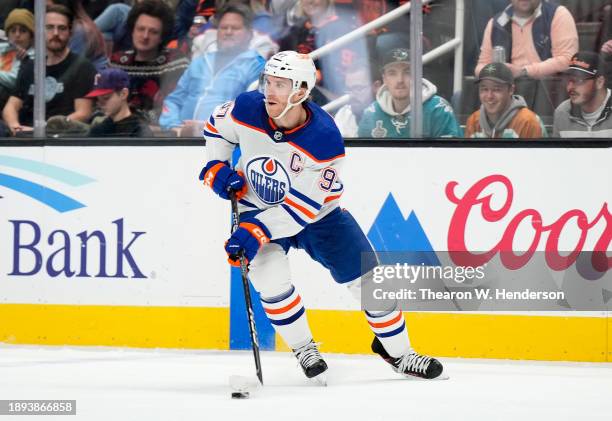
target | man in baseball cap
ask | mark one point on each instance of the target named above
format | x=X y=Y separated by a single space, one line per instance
x=502 y=114
x=586 y=64
x=587 y=112
x=389 y=114
x=111 y=91
x=497 y=72
x=108 y=81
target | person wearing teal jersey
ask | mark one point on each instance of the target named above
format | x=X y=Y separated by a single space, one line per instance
x=389 y=115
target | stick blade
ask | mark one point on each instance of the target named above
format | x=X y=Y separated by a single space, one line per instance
x=241 y=384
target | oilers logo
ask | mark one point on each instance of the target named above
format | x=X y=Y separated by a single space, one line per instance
x=268 y=179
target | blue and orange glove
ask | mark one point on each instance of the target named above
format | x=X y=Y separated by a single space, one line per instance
x=221 y=178
x=248 y=238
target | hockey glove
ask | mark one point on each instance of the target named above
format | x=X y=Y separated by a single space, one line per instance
x=247 y=239
x=221 y=178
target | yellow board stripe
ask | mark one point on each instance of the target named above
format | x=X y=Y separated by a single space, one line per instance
x=464 y=335
x=549 y=338
x=609 y=335
x=130 y=326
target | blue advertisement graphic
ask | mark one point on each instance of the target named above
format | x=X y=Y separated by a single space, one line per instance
x=43 y=194
x=29 y=236
x=392 y=232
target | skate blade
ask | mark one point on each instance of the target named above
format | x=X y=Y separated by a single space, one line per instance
x=442 y=376
x=319 y=380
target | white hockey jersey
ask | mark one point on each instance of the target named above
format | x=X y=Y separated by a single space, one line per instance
x=293 y=175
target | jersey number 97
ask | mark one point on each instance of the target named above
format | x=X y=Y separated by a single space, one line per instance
x=328 y=178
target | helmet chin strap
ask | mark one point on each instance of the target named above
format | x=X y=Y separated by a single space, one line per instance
x=289 y=105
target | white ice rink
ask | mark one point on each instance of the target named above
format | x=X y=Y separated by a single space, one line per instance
x=111 y=384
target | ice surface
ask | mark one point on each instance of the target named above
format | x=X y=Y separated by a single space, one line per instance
x=172 y=385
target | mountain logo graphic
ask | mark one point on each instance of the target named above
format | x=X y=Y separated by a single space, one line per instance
x=43 y=194
x=391 y=232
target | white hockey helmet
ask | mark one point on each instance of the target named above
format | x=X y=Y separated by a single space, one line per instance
x=299 y=68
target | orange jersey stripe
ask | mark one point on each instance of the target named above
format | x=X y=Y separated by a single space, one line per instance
x=388 y=322
x=295 y=129
x=271 y=123
x=210 y=128
x=300 y=208
x=242 y=123
x=330 y=198
x=283 y=309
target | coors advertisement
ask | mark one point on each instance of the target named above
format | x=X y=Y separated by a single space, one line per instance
x=540 y=277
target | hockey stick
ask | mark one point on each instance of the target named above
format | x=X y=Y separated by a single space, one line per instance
x=247 y=292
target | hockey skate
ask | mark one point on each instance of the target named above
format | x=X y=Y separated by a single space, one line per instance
x=311 y=362
x=411 y=364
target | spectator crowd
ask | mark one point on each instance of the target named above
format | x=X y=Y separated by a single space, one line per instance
x=144 y=68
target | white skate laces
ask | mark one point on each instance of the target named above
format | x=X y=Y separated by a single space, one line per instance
x=308 y=355
x=413 y=363
x=311 y=361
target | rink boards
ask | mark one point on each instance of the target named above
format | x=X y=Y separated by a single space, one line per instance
x=121 y=246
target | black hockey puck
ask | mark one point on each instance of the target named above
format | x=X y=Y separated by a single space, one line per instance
x=240 y=395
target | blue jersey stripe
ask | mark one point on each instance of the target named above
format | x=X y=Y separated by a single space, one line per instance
x=210 y=134
x=392 y=333
x=288 y=320
x=304 y=198
x=294 y=215
x=247 y=203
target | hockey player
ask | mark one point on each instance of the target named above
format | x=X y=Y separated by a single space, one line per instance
x=288 y=184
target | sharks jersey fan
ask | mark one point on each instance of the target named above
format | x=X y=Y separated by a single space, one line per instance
x=288 y=182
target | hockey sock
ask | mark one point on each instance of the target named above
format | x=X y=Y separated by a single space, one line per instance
x=287 y=315
x=390 y=328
